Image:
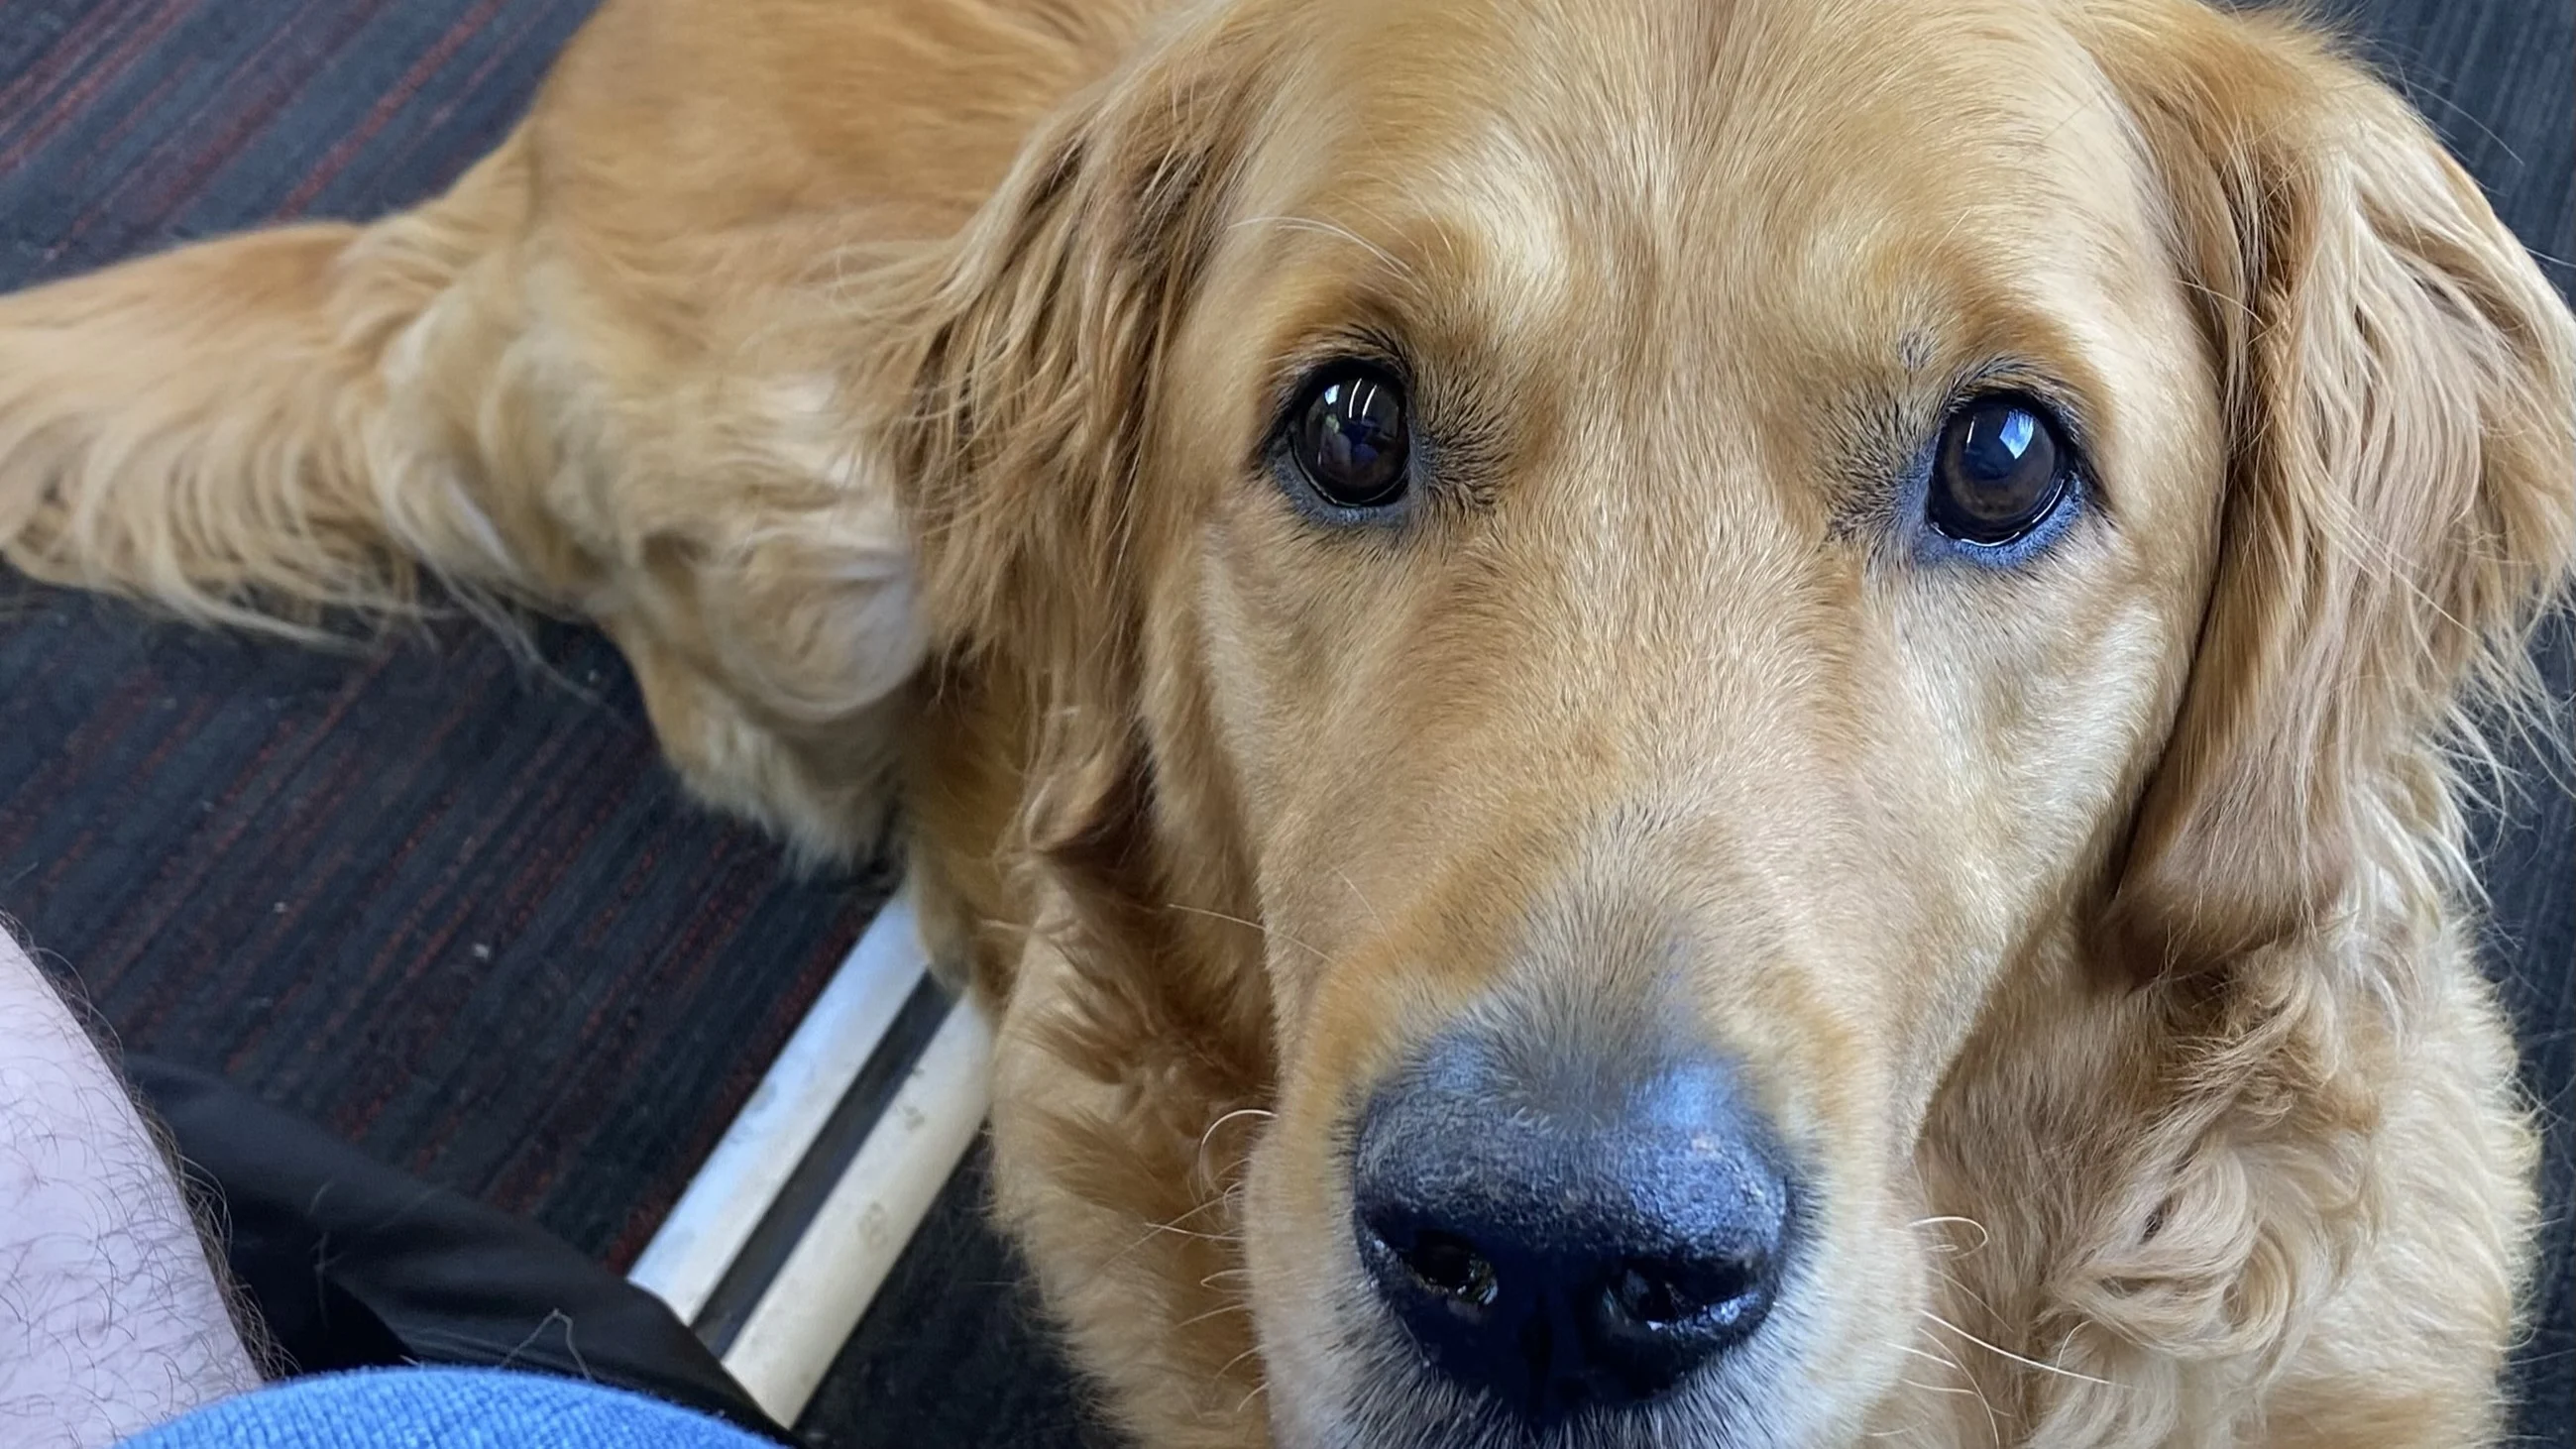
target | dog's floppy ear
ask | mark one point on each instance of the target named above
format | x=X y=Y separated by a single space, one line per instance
x=2400 y=502
x=1028 y=397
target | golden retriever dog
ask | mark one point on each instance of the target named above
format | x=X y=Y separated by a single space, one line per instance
x=1655 y=722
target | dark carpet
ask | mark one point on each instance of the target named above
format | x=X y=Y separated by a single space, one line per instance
x=443 y=900
x=446 y=901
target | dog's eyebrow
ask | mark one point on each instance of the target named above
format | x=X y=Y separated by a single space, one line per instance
x=1335 y=229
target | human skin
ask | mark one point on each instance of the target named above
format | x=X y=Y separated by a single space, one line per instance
x=111 y=1317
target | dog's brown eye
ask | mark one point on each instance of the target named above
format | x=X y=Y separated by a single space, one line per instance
x=1349 y=437
x=2000 y=471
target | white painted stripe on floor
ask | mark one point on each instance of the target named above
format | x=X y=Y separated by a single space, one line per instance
x=725 y=1201
x=825 y=1286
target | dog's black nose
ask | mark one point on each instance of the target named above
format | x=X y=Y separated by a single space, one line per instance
x=1561 y=1238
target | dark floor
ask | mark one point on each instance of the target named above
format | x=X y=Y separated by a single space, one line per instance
x=442 y=899
x=448 y=903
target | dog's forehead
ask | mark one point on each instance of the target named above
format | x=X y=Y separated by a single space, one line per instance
x=1799 y=147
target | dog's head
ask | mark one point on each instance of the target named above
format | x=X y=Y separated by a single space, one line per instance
x=1692 y=567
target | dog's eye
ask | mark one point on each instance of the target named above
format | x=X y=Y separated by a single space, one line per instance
x=2000 y=471
x=1349 y=437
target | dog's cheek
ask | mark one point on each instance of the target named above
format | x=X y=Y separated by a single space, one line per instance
x=1301 y=1275
x=1852 y=1324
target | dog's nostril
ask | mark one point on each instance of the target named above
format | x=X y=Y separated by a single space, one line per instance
x=1447 y=1264
x=1658 y=1294
x=1646 y=1295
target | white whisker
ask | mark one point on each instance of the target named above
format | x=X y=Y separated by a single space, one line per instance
x=1230 y=1364
x=1219 y=1311
x=1265 y=931
x=2005 y=1353
x=1972 y=1388
x=1198 y=1162
x=1983 y=1236
x=1333 y=229
x=1365 y=902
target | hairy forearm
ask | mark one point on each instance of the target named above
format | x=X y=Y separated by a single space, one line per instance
x=111 y=1319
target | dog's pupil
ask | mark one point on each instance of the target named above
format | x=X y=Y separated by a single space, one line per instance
x=1351 y=440
x=1998 y=471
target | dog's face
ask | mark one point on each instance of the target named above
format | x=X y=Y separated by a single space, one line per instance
x=1699 y=517
x=1674 y=547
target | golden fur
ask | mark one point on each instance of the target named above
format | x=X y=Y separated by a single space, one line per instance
x=882 y=377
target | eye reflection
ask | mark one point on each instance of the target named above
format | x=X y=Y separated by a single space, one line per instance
x=1350 y=438
x=2001 y=469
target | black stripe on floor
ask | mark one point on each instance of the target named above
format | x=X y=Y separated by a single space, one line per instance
x=746 y=1280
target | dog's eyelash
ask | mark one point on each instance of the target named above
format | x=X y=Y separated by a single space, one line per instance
x=1365 y=346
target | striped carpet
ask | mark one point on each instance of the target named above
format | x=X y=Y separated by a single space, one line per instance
x=447 y=902
x=444 y=901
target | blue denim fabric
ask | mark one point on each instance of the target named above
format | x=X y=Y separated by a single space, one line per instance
x=449 y=1408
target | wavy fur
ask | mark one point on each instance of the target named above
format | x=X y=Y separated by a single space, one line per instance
x=882 y=378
